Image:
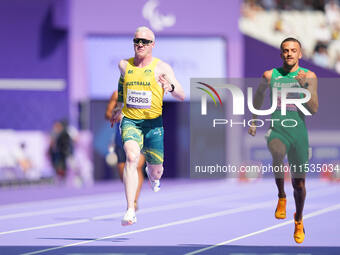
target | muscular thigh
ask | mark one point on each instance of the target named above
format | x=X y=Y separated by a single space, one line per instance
x=154 y=146
x=277 y=144
x=130 y=130
x=298 y=155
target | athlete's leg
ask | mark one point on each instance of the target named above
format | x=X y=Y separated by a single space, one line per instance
x=155 y=171
x=278 y=150
x=299 y=196
x=140 y=168
x=130 y=177
x=132 y=138
x=298 y=159
x=121 y=167
x=154 y=153
x=119 y=150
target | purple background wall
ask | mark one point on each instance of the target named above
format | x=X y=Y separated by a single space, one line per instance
x=45 y=39
x=260 y=57
x=31 y=48
x=106 y=17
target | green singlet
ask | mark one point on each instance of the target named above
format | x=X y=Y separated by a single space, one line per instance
x=294 y=138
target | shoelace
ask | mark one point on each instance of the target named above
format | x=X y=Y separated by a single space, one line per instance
x=299 y=226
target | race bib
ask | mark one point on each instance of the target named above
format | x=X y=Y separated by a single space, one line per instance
x=139 y=99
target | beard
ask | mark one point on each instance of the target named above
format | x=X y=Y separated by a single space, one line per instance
x=289 y=65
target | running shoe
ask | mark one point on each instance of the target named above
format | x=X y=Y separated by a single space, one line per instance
x=129 y=217
x=280 y=212
x=156 y=184
x=299 y=232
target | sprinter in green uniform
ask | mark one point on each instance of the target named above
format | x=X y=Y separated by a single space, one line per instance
x=292 y=139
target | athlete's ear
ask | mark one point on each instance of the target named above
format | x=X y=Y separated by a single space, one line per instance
x=281 y=55
x=300 y=55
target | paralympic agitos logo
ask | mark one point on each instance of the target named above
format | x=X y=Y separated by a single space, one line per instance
x=238 y=105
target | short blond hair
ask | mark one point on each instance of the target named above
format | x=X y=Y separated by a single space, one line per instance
x=146 y=29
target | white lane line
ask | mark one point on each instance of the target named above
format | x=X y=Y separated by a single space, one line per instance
x=47 y=202
x=108 y=201
x=104 y=196
x=58 y=210
x=170 y=224
x=88 y=198
x=74 y=208
x=307 y=216
x=207 y=216
x=33 y=84
x=177 y=205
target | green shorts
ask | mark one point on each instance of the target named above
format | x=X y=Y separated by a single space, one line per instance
x=149 y=135
x=297 y=145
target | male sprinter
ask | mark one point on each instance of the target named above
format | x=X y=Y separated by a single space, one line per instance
x=120 y=150
x=292 y=141
x=143 y=82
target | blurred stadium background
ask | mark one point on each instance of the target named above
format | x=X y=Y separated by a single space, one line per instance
x=59 y=64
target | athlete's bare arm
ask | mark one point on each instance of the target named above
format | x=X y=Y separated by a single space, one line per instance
x=259 y=96
x=166 y=76
x=111 y=105
x=116 y=112
x=309 y=81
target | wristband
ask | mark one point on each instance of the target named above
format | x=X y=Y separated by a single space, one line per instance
x=172 y=88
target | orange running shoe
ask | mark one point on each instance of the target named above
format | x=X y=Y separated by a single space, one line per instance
x=299 y=232
x=280 y=212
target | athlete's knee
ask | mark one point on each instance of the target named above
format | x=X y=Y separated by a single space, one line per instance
x=278 y=154
x=298 y=184
x=132 y=157
x=132 y=152
x=277 y=149
x=156 y=170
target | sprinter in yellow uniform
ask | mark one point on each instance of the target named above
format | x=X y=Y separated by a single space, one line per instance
x=143 y=82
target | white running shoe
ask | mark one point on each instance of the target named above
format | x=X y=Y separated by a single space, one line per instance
x=129 y=217
x=156 y=184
